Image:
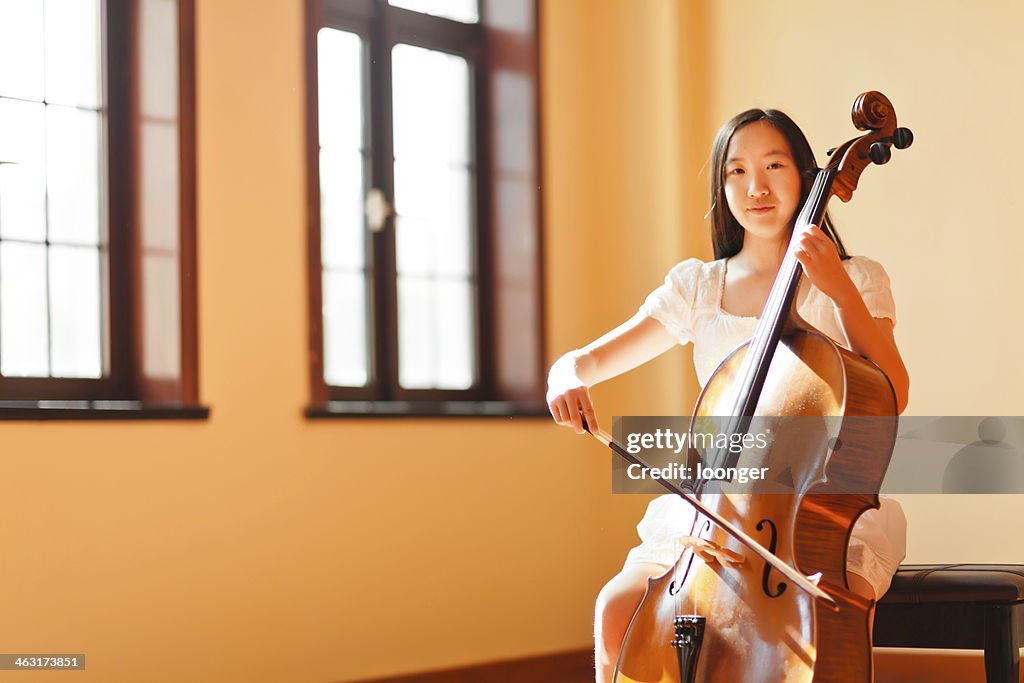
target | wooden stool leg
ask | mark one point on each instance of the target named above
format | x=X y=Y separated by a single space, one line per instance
x=1002 y=658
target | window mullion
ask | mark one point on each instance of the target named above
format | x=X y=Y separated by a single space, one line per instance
x=486 y=340
x=385 y=297
x=120 y=190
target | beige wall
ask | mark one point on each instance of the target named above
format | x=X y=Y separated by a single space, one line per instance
x=259 y=546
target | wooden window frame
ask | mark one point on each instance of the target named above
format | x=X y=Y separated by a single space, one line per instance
x=127 y=392
x=510 y=330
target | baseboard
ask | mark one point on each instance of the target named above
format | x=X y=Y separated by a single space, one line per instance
x=576 y=666
x=892 y=665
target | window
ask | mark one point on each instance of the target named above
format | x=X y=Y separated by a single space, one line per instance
x=424 y=212
x=97 y=210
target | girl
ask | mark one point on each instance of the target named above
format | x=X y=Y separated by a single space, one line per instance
x=762 y=171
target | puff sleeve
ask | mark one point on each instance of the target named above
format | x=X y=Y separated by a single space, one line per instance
x=673 y=303
x=873 y=284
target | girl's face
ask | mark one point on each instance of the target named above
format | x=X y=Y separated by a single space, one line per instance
x=762 y=183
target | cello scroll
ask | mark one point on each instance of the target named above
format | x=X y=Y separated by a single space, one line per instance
x=873 y=112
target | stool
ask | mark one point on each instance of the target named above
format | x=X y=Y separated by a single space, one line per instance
x=962 y=606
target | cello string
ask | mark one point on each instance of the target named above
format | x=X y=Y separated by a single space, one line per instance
x=773 y=314
x=772 y=317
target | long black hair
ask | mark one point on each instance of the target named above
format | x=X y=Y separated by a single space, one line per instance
x=726 y=232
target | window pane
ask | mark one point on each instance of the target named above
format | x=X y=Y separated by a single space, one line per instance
x=455 y=357
x=434 y=219
x=158 y=44
x=75 y=311
x=51 y=294
x=342 y=226
x=414 y=245
x=22 y=185
x=159 y=191
x=513 y=96
x=346 y=358
x=431 y=105
x=24 y=349
x=341 y=209
x=161 y=331
x=417 y=333
x=339 y=89
x=73 y=52
x=435 y=338
x=434 y=189
x=21 y=49
x=341 y=155
x=467 y=11
x=73 y=175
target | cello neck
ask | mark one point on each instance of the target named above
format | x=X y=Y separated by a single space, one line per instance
x=780 y=301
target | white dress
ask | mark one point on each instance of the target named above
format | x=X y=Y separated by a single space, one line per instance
x=689 y=305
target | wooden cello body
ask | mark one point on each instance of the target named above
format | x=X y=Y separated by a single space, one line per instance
x=833 y=428
x=758 y=628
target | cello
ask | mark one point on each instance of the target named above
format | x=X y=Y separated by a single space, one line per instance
x=776 y=605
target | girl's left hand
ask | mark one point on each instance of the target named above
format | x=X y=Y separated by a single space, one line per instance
x=820 y=259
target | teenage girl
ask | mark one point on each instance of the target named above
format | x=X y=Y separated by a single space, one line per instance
x=762 y=171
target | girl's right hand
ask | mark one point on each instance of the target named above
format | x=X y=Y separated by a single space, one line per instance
x=632 y=343
x=569 y=398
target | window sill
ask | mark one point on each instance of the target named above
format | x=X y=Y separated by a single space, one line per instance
x=426 y=409
x=100 y=410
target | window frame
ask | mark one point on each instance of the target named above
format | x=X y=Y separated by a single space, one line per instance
x=126 y=392
x=380 y=27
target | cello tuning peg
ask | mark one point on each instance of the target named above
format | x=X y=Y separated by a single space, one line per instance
x=879 y=153
x=829 y=153
x=902 y=138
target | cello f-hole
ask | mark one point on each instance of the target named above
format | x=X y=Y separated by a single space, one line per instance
x=780 y=588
